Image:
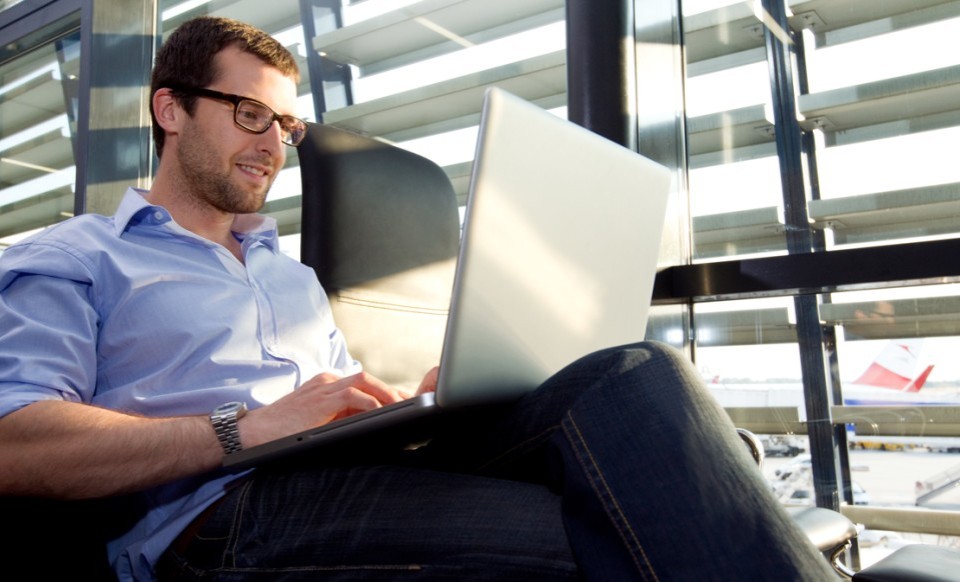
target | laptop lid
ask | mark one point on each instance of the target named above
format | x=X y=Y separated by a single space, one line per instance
x=558 y=257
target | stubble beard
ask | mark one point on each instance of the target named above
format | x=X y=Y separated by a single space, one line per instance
x=208 y=183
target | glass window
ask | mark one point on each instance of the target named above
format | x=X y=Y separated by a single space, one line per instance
x=874 y=91
x=876 y=101
x=413 y=73
x=897 y=377
x=38 y=101
x=736 y=198
x=900 y=382
x=882 y=105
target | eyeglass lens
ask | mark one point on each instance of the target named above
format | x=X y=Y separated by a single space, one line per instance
x=257 y=118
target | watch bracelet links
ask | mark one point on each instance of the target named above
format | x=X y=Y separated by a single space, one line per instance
x=228 y=433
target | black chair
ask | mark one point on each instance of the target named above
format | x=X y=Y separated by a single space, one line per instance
x=381 y=228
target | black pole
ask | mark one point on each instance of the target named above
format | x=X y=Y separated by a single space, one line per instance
x=599 y=68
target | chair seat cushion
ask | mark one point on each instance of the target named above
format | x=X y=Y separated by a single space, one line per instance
x=915 y=563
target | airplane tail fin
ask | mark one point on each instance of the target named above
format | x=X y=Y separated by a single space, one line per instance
x=894 y=367
x=917 y=383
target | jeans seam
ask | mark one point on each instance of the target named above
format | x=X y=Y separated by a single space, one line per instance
x=601 y=488
x=229 y=558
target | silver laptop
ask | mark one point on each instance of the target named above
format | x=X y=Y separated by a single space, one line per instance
x=559 y=254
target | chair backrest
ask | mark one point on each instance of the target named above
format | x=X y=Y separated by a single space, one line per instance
x=381 y=228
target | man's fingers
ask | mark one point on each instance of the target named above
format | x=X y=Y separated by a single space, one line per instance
x=429 y=382
x=356 y=399
x=384 y=393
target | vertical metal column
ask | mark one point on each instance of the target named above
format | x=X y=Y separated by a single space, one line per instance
x=600 y=71
x=115 y=124
x=321 y=16
x=820 y=245
x=658 y=85
x=813 y=360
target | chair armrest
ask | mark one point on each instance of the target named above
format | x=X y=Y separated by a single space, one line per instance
x=828 y=530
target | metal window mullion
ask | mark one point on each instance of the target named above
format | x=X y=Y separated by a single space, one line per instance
x=810 y=334
x=319 y=68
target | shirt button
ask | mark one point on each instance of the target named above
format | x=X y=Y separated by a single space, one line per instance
x=158 y=216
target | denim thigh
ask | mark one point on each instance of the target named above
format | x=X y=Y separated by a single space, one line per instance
x=379 y=523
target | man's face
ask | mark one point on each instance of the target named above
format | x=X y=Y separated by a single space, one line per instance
x=222 y=164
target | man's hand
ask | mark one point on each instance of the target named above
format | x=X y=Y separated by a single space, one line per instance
x=429 y=382
x=322 y=399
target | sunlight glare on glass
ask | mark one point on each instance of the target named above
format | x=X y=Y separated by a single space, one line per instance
x=489 y=55
x=728 y=89
x=182 y=8
x=286 y=185
x=292 y=38
x=908 y=161
x=691 y=7
x=445 y=149
x=454 y=147
x=886 y=56
x=355 y=12
x=721 y=188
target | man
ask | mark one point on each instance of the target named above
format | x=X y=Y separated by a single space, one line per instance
x=127 y=341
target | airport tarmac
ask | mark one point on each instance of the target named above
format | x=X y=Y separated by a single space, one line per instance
x=889 y=478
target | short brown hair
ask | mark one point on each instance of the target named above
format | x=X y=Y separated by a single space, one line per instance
x=187 y=58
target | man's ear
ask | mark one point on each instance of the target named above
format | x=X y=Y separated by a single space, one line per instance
x=167 y=110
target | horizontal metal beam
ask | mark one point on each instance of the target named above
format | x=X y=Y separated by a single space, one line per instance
x=902 y=420
x=818 y=272
x=768 y=419
x=904 y=519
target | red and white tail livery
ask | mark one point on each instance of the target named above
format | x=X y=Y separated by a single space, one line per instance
x=895 y=366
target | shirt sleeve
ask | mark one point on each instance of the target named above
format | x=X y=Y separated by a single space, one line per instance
x=340 y=356
x=48 y=326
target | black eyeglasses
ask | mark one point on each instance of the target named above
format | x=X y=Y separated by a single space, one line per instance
x=253 y=116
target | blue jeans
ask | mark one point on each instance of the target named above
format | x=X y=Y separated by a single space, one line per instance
x=620 y=467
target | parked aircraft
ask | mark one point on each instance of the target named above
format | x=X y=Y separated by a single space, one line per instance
x=890 y=379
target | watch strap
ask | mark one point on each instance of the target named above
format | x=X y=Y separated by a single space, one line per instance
x=224 y=420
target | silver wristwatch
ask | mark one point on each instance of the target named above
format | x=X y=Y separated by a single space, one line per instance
x=224 y=420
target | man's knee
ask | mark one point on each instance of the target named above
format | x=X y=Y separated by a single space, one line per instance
x=645 y=356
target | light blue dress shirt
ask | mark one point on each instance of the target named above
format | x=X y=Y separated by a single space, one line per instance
x=136 y=313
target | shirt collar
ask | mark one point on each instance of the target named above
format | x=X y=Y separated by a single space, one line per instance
x=248 y=227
